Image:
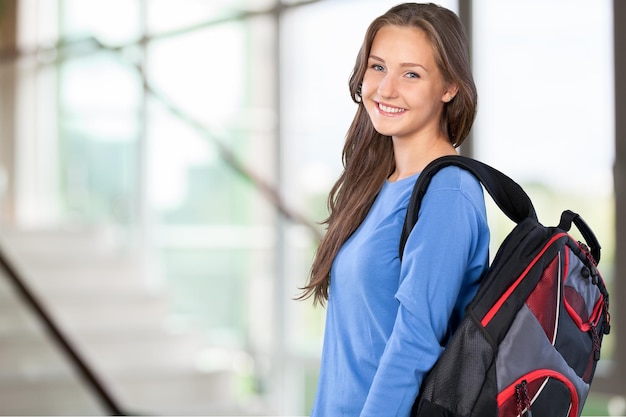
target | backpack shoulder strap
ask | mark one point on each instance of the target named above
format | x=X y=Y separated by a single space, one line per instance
x=506 y=193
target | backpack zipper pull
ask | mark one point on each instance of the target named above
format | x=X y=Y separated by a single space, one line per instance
x=596 y=343
x=606 y=326
x=592 y=267
x=523 y=400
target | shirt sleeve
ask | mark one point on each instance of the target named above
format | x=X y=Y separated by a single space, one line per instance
x=437 y=266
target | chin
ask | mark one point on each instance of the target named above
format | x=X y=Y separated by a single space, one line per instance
x=385 y=131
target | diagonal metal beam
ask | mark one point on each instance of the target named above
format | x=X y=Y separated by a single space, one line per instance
x=70 y=48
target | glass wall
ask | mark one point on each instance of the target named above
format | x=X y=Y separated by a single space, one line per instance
x=208 y=134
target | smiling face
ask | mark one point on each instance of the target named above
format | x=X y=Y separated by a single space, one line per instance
x=403 y=90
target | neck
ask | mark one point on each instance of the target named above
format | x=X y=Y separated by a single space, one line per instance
x=412 y=157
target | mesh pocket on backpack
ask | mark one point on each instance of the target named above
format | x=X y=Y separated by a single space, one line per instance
x=461 y=371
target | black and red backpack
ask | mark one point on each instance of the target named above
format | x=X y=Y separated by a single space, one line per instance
x=531 y=337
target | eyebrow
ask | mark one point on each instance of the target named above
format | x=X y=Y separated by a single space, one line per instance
x=405 y=64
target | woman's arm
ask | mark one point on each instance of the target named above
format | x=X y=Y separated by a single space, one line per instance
x=446 y=253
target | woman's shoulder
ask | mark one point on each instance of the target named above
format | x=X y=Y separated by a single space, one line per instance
x=454 y=180
x=453 y=177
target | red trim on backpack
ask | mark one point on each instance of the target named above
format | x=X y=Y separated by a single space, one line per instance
x=593 y=319
x=544 y=300
x=535 y=375
x=496 y=307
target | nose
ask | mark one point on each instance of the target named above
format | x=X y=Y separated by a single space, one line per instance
x=387 y=87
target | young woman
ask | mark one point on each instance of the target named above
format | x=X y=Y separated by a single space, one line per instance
x=388 y=321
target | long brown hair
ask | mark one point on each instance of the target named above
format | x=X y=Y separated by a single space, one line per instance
x=368 y=157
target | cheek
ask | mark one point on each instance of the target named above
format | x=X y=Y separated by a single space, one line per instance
x=368 y=86
x=368 y=90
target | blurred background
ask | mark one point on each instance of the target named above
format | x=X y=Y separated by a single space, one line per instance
x=164 y=167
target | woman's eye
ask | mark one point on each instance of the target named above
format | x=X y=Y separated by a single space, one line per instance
x=412 y=75
x=377 y=67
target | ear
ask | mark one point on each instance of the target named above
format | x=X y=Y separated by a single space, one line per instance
x=450 y=92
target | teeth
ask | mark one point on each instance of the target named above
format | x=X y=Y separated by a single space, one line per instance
x=390 y=109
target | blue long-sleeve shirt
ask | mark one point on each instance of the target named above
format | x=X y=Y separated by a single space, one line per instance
x=387 y=322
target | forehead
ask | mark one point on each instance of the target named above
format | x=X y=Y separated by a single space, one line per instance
x=402 y=43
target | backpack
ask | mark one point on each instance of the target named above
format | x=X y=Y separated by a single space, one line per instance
x=530 y=339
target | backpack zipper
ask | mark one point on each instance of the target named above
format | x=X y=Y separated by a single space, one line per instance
x=594 y=274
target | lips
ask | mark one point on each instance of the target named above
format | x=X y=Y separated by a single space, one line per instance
x=390 y=109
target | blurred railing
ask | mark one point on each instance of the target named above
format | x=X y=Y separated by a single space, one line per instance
x=85 y=371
